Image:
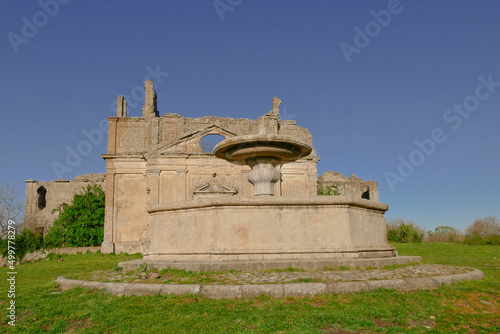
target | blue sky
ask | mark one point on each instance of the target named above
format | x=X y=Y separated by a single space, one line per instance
x=368 y=79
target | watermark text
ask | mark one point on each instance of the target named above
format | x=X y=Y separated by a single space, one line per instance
x=94 y=137
x=223 y=6
x=11 y=274
x=31 y=27
x=453 y=117
x=363 y=37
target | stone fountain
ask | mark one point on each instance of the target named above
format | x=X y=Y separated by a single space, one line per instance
x=262 y=153
x=263 y=230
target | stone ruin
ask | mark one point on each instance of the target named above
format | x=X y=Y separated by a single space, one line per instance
x=353 y=186
x=43 y=197
x=252 y=199
x=169 y=197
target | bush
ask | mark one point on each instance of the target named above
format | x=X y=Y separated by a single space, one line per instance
x=25 y=243
x=405 y=231
x=484 y=231
x=484 y=227
x=445 y=234
x=323 y=190
x=80 y=223
x=476 y=239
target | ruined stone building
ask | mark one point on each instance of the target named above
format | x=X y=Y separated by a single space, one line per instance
x=157 y=159
x=353 y=186
x=43 y=197
x=154 y=159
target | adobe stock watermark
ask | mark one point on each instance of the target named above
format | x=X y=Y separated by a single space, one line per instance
x=363 y=37
x=285 y=115
x=94 y=137
x=223 y=6
x=30 y=27
x=11 y=274
x=453 y=117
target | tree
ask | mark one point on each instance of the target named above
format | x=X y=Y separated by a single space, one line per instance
x=80 y=223
x=11 y=208
x=484 y=231
x=484 y=227
x=445 y=234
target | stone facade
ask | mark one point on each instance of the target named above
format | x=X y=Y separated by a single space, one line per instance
x=43 y=197
x=153 y=160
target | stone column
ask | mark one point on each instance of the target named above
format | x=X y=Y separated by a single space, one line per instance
x=121 y=107
x=149 y=109
x=29 y=205
x=108 y=244
x=112 y=134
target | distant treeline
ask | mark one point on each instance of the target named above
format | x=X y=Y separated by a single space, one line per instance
x=483 y=231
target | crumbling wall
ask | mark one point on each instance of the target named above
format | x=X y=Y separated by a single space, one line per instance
x=42 y=197
x=153 y=159
x=353 y=186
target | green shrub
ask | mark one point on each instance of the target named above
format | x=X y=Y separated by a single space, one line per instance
x=493 y=240
x=25 y=243
x=55 y=237
x=323 y=190
x=477 y=239
x=81 y=223
x=401 y=230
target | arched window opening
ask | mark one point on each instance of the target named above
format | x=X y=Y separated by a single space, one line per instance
x=42 y=192
x=208 y=142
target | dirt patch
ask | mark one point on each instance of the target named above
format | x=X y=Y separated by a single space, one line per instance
x=429 y=324
x=380 y=323
x=75 y=326
x=475 y=303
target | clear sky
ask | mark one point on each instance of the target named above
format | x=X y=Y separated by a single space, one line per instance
x=404 y=93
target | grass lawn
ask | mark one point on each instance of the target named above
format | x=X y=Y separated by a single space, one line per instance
x=464 y=307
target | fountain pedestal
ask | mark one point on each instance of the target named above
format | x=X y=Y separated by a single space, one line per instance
x=262 y=153
x=263 y=175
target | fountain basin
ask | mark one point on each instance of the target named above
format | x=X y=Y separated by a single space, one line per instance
x=262 y=153
x=282 y=148
x=302 y=229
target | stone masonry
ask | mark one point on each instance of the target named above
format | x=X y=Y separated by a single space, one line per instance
x=153 y=159
x=157 y=159
x=43 y=197
x=353 y=186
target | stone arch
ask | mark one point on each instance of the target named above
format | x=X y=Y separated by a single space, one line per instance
x=208 y=142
